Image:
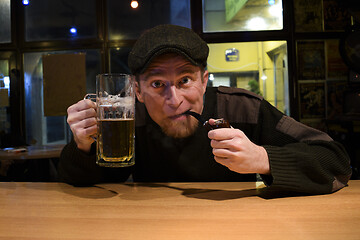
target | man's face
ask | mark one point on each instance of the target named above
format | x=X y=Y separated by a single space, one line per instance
x=170 y=86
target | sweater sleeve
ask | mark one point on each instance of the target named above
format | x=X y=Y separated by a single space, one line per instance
x=78 y=168
x=302 y=159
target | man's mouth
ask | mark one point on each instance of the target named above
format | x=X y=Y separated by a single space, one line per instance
x=178 y=117
x=184 y=115
x=195 y=115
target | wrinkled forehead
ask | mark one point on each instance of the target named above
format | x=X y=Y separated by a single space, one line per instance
x=160 y=64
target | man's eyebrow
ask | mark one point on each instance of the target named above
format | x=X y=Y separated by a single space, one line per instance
x=153 y=72
x=189 y=69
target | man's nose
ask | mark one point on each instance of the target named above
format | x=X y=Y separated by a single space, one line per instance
x=173 y=97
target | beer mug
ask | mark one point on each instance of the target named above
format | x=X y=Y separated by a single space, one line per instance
x=115 y=106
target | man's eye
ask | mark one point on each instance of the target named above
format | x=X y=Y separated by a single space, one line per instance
x=185 y=80
x=157 y=84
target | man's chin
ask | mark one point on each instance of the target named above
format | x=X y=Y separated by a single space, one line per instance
x=180 y=130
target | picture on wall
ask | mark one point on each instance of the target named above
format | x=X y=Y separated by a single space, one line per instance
x=336 y=18
x=336 y=67
x=312 y=100
x=308 y=15
x=311 y=60
x=335 y=98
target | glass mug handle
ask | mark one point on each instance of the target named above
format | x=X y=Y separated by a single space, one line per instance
x=92 y=97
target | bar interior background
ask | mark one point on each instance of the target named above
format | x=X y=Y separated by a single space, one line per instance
x=301 y=55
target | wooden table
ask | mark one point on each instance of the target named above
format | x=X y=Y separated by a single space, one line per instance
x=173 y=211
x=33 y=152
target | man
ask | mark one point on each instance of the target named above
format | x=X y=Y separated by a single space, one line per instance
x=169 y=64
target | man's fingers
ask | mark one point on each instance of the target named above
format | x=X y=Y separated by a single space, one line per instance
x=219 y=143
x=76 y=115
x=81 y=105
x=86 y=123
x=224 y=152
x=222 y=133
x=84 y=132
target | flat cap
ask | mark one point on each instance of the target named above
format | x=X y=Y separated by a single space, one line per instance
x=167 y=38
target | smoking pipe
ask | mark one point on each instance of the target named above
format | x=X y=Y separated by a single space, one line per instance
x=219 y=123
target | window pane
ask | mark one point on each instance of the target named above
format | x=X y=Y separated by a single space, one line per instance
x=118 y=60
x=125 y=22
x=260 y=67
x=242 y=15
x=41 y=130
x=4 y=98
x=4 y=69
x=60 y=19
x=5 y=19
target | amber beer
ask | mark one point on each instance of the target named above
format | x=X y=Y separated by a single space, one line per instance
x=115 y=107
x=116 y=142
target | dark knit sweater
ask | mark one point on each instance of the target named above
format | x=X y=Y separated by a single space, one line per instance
x=302 y=159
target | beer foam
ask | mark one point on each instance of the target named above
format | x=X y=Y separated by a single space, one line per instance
x=116 y=101
x=116 y=107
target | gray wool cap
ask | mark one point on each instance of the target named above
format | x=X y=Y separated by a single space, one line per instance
x=167 y=38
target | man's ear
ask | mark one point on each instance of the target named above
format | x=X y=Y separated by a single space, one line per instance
x=138 y=92
x=206 y=79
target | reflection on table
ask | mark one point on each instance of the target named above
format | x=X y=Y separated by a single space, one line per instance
x=32 y=152
x=173 y=211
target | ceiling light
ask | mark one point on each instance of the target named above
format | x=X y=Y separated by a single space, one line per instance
x=134 y=4
x=73 y=31
x=256 y=23
x=275 y=10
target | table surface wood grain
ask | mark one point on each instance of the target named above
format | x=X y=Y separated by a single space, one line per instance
x=173 y=211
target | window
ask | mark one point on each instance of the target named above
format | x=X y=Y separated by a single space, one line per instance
x=4 y=96
x=5 y=19
x=60 y=19
x=118 y=60
x=125 y=22
x=41 y=130
x=260 y=67
x=242 y=15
